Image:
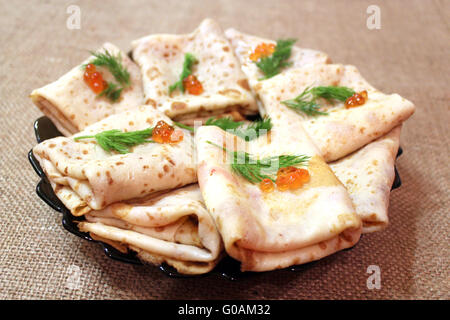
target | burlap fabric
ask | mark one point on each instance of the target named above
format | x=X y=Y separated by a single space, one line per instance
x=408 y=55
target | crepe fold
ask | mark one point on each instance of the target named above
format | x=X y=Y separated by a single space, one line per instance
x=267 y=231
x=368 y=175
x=173 y=227
x=85 y=177
x=72 y=105
x=161 y=58
x=244 y=44
x=343 y=130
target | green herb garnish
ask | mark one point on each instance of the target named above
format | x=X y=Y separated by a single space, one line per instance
x=254 y=129
x=120 y=141
x=306 y=102
x=113 y=64
x=189 y=61
x=257 y=170
x=273 y=64
x=112 y=92
x=238 y=128
x=183 y=126
x=224 y=123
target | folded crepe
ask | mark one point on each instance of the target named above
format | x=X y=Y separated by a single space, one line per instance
x=267 y=231
x=343 y=130
x=172 y=227
x=368 y=175
x=161 y=59
x=85 y=177
x=244 y=44
x=72 y=105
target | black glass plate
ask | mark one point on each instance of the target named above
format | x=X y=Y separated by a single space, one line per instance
x=229 y=268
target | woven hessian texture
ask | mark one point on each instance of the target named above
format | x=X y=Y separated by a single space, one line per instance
x=408 y=55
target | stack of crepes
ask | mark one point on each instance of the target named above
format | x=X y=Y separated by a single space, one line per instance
x=184 y=203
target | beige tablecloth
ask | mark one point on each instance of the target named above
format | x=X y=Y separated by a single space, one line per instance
x=408 y=55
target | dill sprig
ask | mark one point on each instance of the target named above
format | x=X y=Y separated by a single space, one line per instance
x=183 y=126
x=254 y=129
x=225 y=123
x=307 y=103
x=120 y=141
x=238 y=128
x=113 y=64
x=189 y=61
x=273 y=64
x=112 y=92
x=257 y=170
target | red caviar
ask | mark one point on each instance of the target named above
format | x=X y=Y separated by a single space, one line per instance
x=356 y=100
x=90 y=68
x=291 y=178
x=192 y=85
x=266 y=185
x=262 y=50
x=165 y=133
x=94 y=79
